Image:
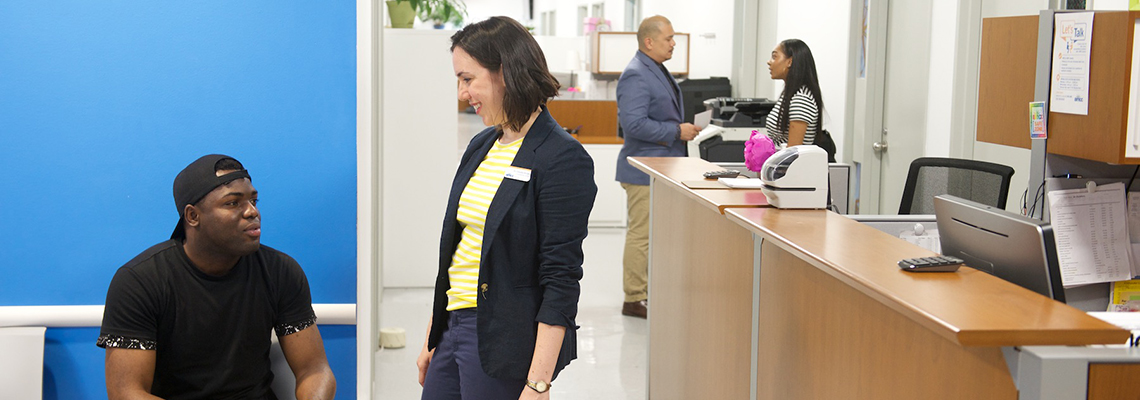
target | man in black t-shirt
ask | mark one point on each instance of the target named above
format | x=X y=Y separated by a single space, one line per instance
x=191 y=317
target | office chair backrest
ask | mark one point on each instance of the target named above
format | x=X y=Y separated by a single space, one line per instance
x=980 y=181
x=284 y=382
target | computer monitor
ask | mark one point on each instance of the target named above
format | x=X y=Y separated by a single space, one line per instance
x=696 y=91
x=1018 y=249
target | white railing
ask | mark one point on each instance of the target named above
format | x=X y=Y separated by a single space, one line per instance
x=92 y=316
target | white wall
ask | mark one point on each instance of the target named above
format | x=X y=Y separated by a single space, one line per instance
x=1017 y=158
x=419 y=100
x=707 y=22
x=478 y=10
x=943 y=39
x=1107 y=5
x=1010 y=8
x=566 y=18
x=709 y=25
x=825 y=26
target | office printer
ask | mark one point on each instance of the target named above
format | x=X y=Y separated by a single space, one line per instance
x=733 y=120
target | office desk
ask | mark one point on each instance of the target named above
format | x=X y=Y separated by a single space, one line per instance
x=839 y=319
x=700 y=284
x=834 y=315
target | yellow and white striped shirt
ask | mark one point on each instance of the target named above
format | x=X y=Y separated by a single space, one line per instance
x=472 y=216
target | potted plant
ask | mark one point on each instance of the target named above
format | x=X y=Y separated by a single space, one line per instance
x=403 y=12
x=446 y=11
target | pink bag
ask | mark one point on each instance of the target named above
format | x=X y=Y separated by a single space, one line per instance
x=757 y=150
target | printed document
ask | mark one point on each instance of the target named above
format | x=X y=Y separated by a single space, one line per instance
x=1134 y=230
x=1091 y=233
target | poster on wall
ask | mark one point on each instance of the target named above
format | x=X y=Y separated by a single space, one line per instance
x=1072 y=45
x=863 y=44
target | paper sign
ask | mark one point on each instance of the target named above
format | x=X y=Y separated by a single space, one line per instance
x=1072 y=46
x=1132 y=145
x=1037 y=128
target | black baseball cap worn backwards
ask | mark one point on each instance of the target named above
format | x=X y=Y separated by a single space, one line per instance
x=196 y=181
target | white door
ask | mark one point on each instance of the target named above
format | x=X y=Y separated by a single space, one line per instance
x=905 y=97
x=867 y=115
x=891 y=105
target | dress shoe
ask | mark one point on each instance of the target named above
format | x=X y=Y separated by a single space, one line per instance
x=637 y=309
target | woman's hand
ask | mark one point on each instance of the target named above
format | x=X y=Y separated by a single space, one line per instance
x=423 y=361
x=530 y=394
x=546 y=349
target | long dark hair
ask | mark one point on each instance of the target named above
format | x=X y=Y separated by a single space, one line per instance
x=501 y=43
x=800 y=74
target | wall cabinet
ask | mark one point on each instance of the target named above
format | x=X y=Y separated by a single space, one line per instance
x=1006 y=88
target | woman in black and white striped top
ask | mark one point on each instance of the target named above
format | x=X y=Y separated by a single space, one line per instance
x=795 y=119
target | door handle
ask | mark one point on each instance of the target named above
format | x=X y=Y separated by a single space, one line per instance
x=879 y=147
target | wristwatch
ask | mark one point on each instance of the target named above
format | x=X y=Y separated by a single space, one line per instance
x=538 y=386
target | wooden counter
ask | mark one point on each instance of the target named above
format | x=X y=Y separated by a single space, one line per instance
x=807 y=304
x=839 y=319
x=961 y=307
x=597 y=120
x=700 y=297
x=674 y=171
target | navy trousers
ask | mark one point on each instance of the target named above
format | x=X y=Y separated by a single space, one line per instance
x=455 y=372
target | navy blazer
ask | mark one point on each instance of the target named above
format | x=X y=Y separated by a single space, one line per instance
x=532 y=248
x=649 y=111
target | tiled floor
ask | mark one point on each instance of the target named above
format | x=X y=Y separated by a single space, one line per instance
x=611 y=348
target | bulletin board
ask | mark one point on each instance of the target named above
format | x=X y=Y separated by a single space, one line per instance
x=612 y=51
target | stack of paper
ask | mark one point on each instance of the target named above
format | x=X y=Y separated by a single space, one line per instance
x=742 y=183
x=1091 y=234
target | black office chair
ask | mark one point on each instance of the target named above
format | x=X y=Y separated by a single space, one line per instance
x=980 y=181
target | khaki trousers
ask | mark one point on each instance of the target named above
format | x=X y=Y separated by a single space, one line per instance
x=635 y=261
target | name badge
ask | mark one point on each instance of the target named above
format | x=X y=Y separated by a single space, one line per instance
x=518 y=174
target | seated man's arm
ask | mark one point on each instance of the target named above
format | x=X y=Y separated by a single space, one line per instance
x=305 y=352
x=129 y=373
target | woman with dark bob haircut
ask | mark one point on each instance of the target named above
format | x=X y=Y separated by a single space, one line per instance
x=506 y=296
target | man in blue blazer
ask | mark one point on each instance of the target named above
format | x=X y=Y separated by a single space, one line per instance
x=649 y=110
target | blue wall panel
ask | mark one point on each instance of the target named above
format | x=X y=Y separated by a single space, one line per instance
x=73 y=365
x=102 y=103
x=340 y=346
